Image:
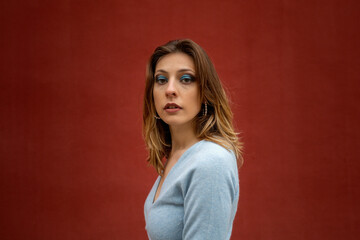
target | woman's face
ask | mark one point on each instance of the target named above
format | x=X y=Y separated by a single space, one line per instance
x=176 y=92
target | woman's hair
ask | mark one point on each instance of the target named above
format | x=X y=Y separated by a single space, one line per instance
x=215 y=126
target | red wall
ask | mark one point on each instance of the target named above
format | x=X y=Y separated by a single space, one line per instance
x=72 y=77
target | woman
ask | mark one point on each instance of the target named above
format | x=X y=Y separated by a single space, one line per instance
x=187 y=126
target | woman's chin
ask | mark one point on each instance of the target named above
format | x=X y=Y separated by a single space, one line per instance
x=178 y=122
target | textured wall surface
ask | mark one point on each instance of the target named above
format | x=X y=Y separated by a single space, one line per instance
x=72 y=159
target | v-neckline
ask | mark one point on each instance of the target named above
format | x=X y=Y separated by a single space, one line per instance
x=171 y=170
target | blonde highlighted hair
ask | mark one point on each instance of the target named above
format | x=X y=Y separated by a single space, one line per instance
x=215 y=126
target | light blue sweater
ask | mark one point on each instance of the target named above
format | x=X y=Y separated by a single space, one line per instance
x=199 y=196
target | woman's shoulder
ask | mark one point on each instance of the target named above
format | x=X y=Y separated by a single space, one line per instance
x=210 y=148
x=211 y=154
x=213 y=164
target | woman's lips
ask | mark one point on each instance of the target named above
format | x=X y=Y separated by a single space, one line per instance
x=172 y=108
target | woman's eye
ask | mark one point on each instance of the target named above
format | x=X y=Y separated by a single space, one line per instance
x=187 y=78
x=160 y=79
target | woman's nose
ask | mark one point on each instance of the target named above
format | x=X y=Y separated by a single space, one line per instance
x=171 y=88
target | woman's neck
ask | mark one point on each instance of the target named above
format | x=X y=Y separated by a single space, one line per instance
x=182 y=137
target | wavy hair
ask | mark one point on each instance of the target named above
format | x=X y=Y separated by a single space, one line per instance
x=215 y=126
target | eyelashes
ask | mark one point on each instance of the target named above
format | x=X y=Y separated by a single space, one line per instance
x=161 y=79
x=185 y=79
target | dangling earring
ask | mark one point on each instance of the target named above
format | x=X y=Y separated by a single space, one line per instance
x=205 y=109
x=156 y=117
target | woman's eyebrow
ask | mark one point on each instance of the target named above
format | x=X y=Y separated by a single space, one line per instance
x=160 y=70
x=186 y=70
x=180 y=70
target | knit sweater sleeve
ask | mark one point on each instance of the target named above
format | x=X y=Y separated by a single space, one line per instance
x=211 y=197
